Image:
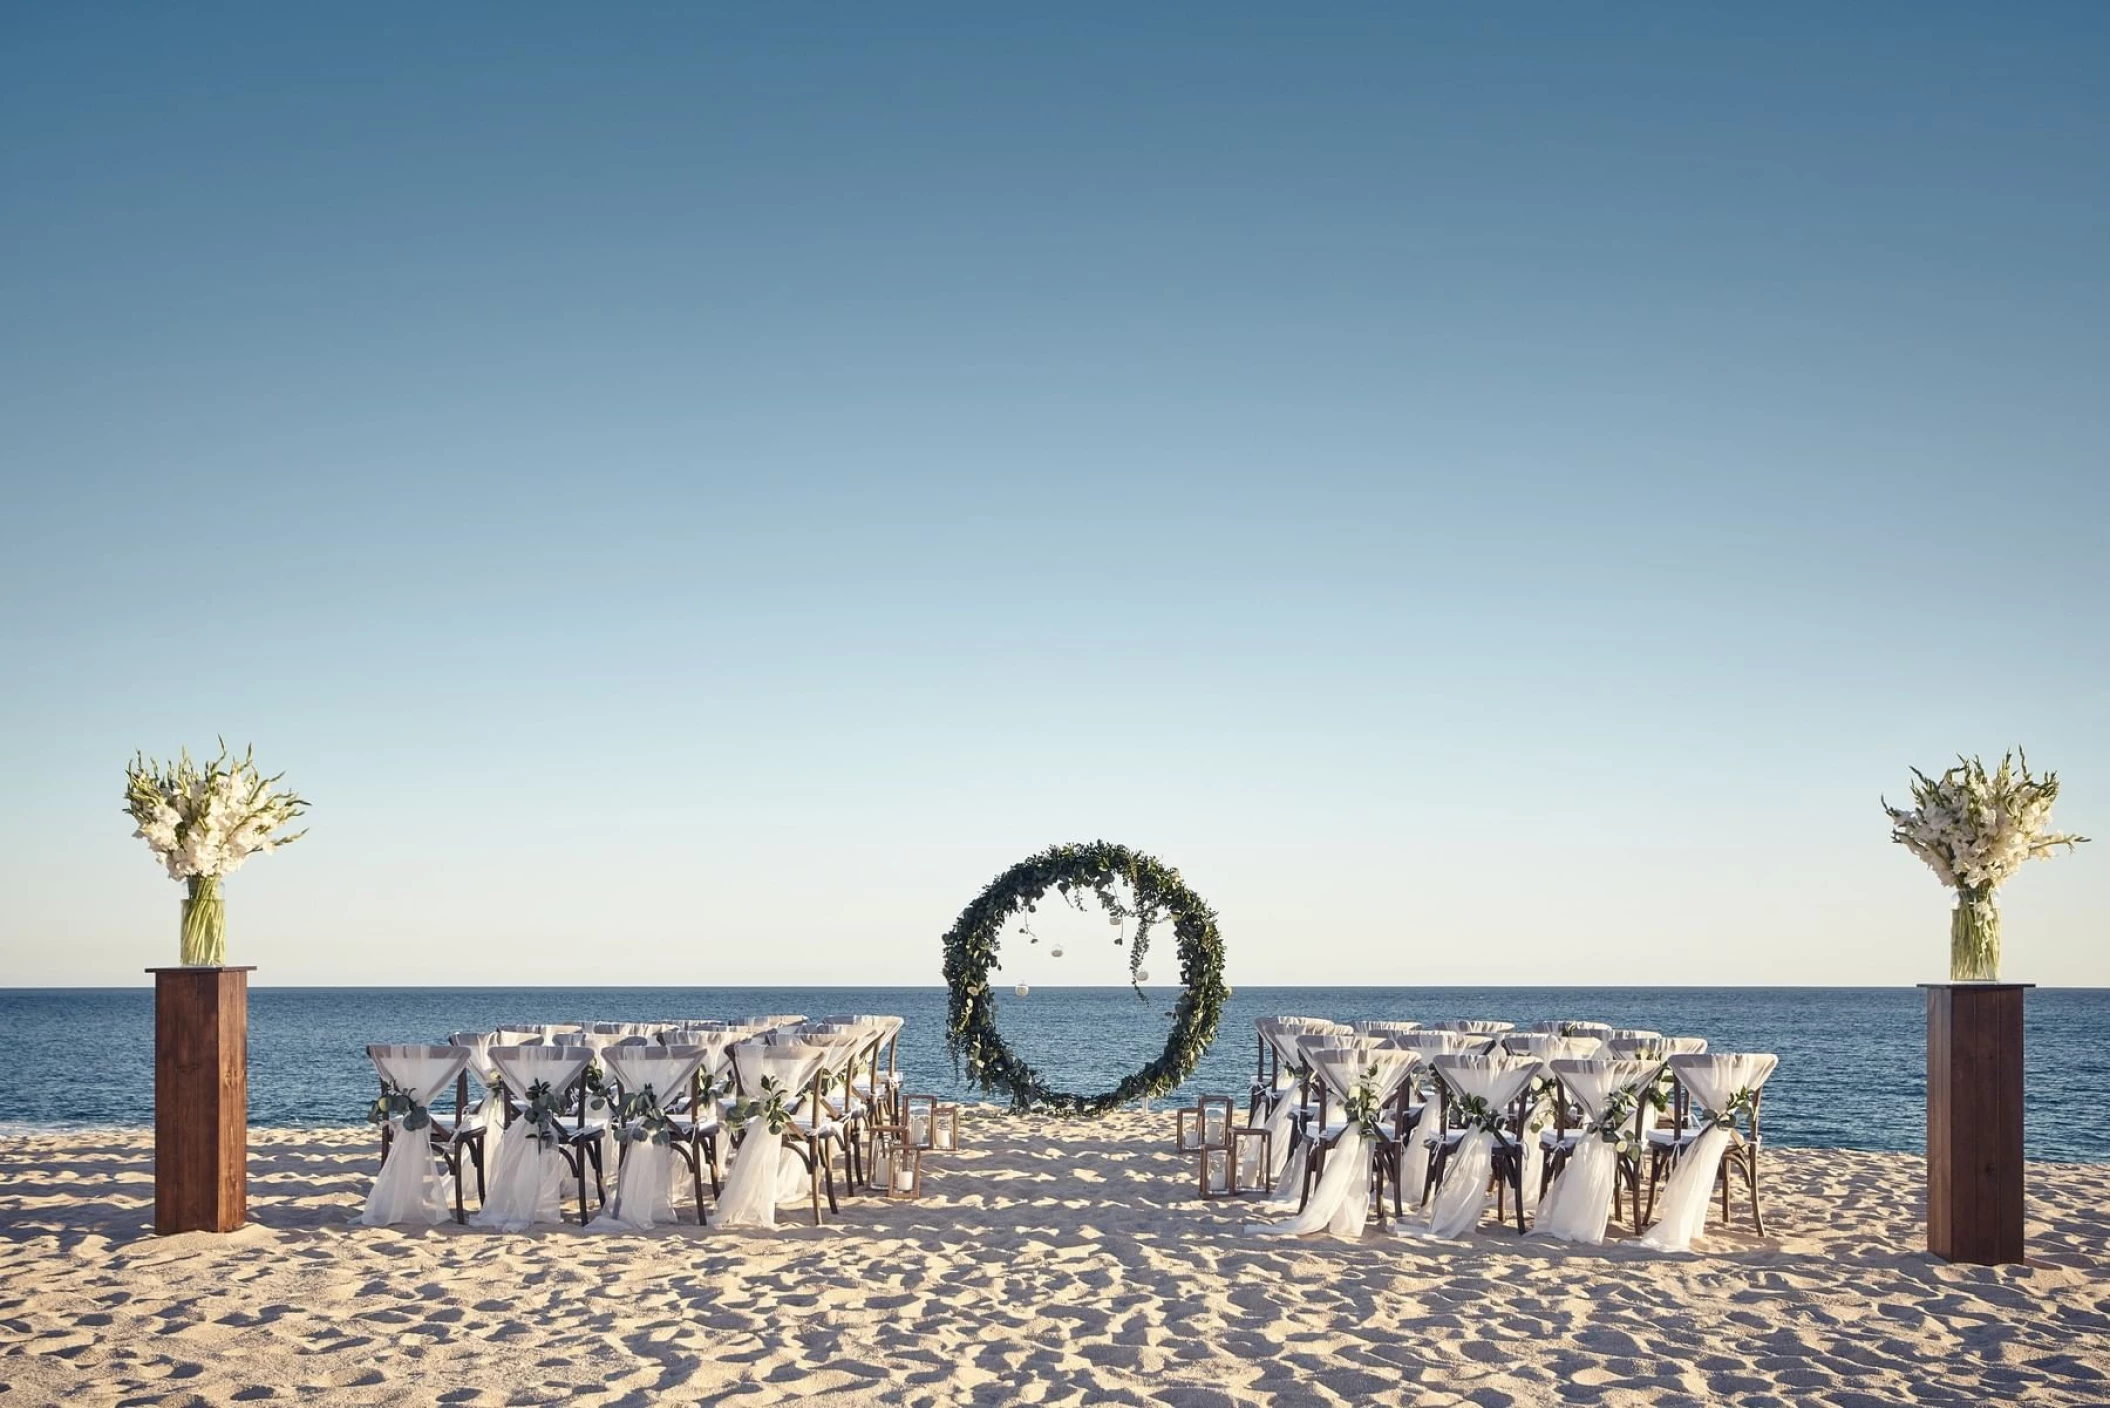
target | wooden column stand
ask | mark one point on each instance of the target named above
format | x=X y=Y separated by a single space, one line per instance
x=1974 y=1121
x=201 y=1099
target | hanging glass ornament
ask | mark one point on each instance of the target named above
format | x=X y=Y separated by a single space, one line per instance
x=1021 y=989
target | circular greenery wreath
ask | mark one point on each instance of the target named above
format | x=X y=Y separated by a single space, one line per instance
x=1156 y=894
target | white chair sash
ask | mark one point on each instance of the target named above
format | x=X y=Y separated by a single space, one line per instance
x=644 y=1187
x=1340 y=1203
x=760 y=1178
x=1578 y=1205
x=526 y=1180
x=1497 y=1080
x=413 y=1185
x=1715 y=1082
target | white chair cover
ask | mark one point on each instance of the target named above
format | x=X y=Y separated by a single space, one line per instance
x=1714 y=1082
x=644 y=1187
x=759 y=1178
x=413 y=1185
x=1579 y=1203
x=1476 y=1028
x=1429 y=1044
x=1498 y=1080
x=1568 y=1027
x=1387 y=1028
x=478 y=1045
x=1282 y=1033
x=1546 y=1047
x=526 y=1181
x=1340 y=1203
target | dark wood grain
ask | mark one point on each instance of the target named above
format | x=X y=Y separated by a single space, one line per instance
x=201 y=1099
x=1975 y=1167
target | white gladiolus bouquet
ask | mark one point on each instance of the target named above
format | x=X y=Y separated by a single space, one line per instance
x=1974 y=829
x=202 y=823
x=207 y=821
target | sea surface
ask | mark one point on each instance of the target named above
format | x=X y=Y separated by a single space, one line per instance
x=1852 y=1060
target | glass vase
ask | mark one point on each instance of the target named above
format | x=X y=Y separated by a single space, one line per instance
x=1974 y=940
x=204 y=924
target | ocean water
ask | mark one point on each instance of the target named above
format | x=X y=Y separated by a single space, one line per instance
x=1852 y=1072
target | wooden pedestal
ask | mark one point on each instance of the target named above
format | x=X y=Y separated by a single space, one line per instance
x=1974 y=1121
x=201 y=1099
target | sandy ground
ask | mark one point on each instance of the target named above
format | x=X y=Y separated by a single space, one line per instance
x=1052 y=1262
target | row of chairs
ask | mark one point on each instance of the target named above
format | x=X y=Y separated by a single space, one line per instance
x=1549 y=1085
x=849 y=1084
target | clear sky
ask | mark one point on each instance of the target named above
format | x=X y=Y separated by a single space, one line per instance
x=1492 y=493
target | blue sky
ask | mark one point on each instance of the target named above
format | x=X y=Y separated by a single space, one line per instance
x=1492 y=495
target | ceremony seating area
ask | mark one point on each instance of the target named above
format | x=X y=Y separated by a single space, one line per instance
x=632 y=1120
x=1569 y=1124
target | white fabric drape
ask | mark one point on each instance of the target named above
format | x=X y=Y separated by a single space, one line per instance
x=1340 y=1203
x=759 y=1178
x=1281 y=1034
x=525 y=1184
x=1545 y=1047
x=1427 y=1043
x=1498 y=1080
x=1299 y=1046
x=1578 y=1205
x=645 y=1182
x=1714 y=1081
x=414 y=1184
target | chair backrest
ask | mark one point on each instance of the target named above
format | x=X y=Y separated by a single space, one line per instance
x=1432 y=1043
x=1475 y=1027
x=1498 y=1079
x=1345 y=1069
x=1547 y=1046
x=667 y=1069
x=422 y=1072
x=1386 y=1028
x=1717 y=1079
x=1592 y=1081
x=794 y=1066
x=1569 y=1027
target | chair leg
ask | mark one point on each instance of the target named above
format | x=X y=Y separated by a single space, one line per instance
x=453 y=1157
x=828 y=1173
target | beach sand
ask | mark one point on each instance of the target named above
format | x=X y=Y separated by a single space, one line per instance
x=1052 y=1262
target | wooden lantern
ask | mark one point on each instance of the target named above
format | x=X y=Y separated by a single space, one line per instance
x=897 y=1164
x=884 y=1140
x=919 y=1116
x=945 y=1128
x=1252 y=1152
x=1187 y=1129
x=1217 y=1178
x=1215 y=1113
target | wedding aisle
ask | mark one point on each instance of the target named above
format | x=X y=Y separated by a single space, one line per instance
x=1073 y=1253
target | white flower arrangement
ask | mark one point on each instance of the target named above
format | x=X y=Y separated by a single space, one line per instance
x=202 y=823
x=205 y=821
x=1974 y=829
